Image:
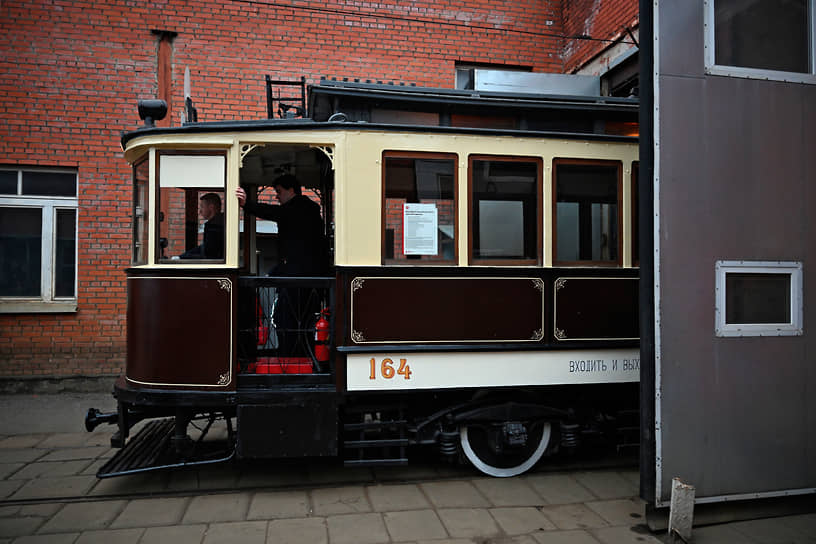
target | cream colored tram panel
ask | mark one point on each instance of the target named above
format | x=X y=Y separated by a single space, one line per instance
x=358 y=183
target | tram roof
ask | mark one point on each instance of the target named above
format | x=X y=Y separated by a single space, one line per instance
x=361 y=103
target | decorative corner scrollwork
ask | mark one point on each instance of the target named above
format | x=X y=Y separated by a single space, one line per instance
x=246 y=148
x=538 y=334
x=224 y=378
x=328 y=151
x=357 y=284
x=560 y=334
x=560 y=283
x=226 y=285
x=357 y=336
x=538 y=283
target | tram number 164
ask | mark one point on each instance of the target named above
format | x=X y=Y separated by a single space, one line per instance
x=387 y=369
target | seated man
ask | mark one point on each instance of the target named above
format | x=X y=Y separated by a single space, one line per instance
x=303 y=251
x=212 y=247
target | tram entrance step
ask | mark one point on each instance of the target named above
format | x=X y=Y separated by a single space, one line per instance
x=374 y=437
x=152 y=449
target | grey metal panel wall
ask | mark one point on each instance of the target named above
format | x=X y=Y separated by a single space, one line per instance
x=737 y=181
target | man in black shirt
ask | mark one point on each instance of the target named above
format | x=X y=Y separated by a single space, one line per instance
x=301 y=244
x=303 y=251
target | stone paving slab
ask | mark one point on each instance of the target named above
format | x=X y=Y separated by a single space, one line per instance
x=454 y=495
x=117 y=536
x=770 y=531
x=21 y=455
x=357 y=529
x=7 y=469
x=607 y=484
x=508 y=491
x=279 y=504
x=414 y=524
x=520 y=520
x=47 y=488
x=19 y=526
x=573 y=516
x=151 y=512
x=559 y=488
x=241 y=532
x=180 y=534
x=83 y=516
x=396 y=497
x=217 y=508
x=70 y=454
x=565 y=537
x=48 y=469
x=297 y=531
x=619 y=511
x=468 y=522
x=624 y=535
x=340 y=500
x=63 y=538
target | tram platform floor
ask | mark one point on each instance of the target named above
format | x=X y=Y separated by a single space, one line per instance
x=49 y=494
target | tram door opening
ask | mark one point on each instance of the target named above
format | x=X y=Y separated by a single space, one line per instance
x=286 y=242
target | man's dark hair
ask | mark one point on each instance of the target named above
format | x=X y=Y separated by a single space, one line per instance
x=288 y=181
x=213 y=199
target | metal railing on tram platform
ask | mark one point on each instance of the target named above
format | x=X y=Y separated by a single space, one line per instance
x=278 y=318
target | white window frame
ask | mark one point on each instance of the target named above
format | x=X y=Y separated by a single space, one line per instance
x=47 y=302
x=792 y=328
x=755 y=73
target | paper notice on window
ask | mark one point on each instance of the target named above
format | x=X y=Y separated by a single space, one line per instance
x=420 y=224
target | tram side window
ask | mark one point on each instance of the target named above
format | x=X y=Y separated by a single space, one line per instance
x=587 y=219
x=419 y=208
x=140 y=211
x=505 y=210
x=191 y=207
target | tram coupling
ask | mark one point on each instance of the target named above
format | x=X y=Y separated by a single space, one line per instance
x=95 y=418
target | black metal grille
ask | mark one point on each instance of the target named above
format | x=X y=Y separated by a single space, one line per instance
x=277 y=317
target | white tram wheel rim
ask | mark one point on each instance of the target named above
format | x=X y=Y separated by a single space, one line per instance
x=510 y=471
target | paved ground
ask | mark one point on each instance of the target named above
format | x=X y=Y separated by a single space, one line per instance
x=317 y=502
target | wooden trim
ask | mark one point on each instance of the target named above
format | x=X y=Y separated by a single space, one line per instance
x=554 y=227
x=472 y=260
x=420 y=155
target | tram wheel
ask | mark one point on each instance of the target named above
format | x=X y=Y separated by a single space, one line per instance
x=478 y=446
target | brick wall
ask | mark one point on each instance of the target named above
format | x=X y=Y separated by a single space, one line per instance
x=72 y=70
x=604 y=21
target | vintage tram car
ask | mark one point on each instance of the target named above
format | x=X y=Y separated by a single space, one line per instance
x=482 y=293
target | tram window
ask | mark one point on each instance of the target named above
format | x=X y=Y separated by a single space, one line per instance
x=191 y=207
x=505 y=214
x=587 y=219
x=140 y=211
x=419 y=208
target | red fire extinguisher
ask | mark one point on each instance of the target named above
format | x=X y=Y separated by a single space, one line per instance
x=322 y=337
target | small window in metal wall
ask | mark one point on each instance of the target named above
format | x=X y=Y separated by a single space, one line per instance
x=758 y=298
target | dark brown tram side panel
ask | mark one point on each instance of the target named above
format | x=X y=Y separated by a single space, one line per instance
x=181 y=329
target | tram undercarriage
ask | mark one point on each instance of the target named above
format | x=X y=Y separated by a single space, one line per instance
x=499 y=432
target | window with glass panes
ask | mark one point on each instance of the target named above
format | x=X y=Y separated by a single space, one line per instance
x=38 y=232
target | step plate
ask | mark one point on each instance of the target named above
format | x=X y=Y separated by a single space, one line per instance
x=150 y=449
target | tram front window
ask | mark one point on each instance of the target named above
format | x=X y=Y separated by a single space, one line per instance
x=191 y=207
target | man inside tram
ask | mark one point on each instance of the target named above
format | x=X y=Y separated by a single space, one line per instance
x=302 y=250
x=212 y=246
